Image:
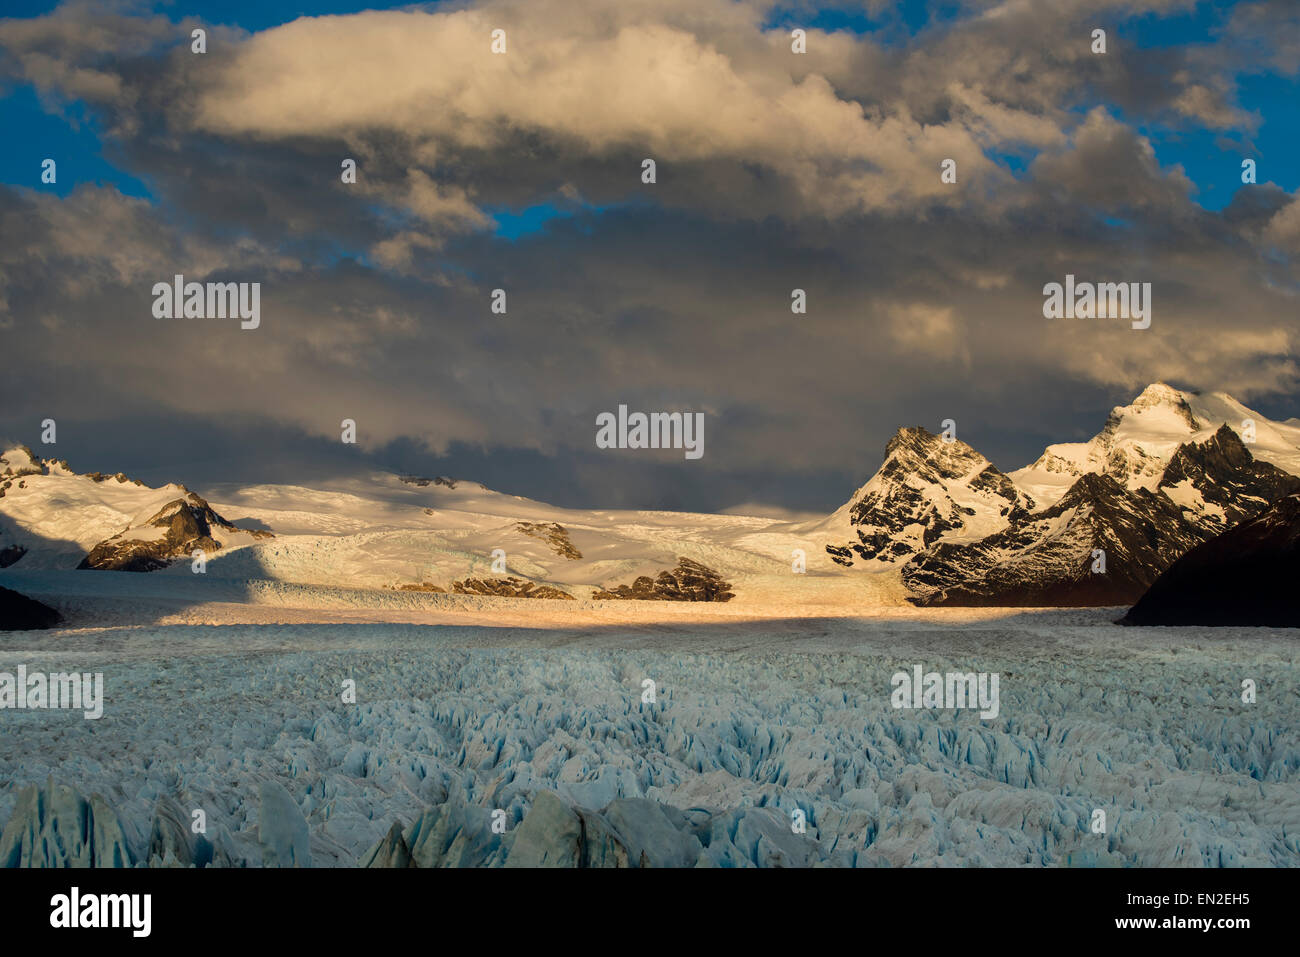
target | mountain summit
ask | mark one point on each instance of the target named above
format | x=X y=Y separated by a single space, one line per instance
x=1139 y=440
x=1088 y=523
x=927 y=490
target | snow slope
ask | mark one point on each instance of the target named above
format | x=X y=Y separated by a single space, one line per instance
x=1139 y=439
x=383 y=532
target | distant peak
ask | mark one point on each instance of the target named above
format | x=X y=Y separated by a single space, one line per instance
x=1160 y=393
x=910 y=436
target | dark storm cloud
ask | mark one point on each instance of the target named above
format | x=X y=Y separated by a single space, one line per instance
x=924 y=299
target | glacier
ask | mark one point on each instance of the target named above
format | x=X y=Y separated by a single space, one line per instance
x=547 y=732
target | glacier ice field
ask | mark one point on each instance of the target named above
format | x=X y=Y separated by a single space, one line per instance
x=752 y=728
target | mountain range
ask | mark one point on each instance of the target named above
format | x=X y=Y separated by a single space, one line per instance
x=1087 y=523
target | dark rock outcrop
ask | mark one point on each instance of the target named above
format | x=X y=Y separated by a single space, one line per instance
x=20 y=613
x=189 y=524
x=1245 y=577
x=689 y=581
x=553 y=534
x=420 y=481
x=1047 y=558
x=1219 y=484
x=508 y=588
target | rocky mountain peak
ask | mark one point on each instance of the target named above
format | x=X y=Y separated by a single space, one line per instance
x=926 y=489
x=174 y=531
x=1156 y=402
x=917 y=449
x=1219 y=483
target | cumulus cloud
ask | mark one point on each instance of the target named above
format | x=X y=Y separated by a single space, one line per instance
x=776 y=171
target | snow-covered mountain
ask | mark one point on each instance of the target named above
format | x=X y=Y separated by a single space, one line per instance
x=1166 y=472
x=937 y=522
x=1218 y=483
x=928 y=490
x=53 y=517
x=1104 y=542
x=177 y=530
x=1139 y=440
x=1100 y=544
x=384 y=531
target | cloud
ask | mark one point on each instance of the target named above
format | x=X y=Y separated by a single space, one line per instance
x=776 y=171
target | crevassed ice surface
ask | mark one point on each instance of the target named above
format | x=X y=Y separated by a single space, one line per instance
x=1145 y=724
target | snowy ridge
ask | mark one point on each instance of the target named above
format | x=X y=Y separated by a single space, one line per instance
x=384 y=531
x=927 y=490
x=1139 y=439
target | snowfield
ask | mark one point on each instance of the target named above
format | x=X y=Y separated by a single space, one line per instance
x=212 y=705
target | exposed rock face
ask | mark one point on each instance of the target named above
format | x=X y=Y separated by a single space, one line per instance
x=555 y=535
x=1246 y=576
x=926 y=490
x=1218 y=483
x=507 y=588
x=175 y=531
x=20 y=613
x=10 y=554
x=422 y=586
x=689 y=581
x=54 y=826
x=421 y=482
x=118 y=477
x=1046 y=559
